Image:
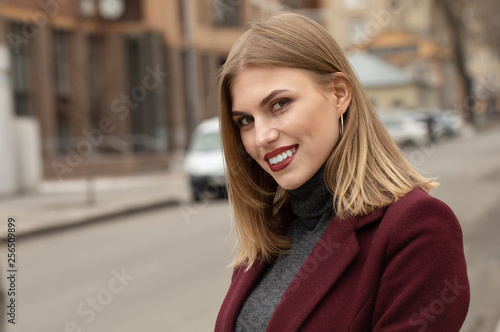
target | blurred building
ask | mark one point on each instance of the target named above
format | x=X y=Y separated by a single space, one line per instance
x=406 y=34
x=428 y=62
x=413 y=35
x=389 y=87
x=101 y=79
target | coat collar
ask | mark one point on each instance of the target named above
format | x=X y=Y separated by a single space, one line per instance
x=331 y=256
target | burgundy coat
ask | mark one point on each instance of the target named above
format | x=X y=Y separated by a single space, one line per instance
x=400 y=268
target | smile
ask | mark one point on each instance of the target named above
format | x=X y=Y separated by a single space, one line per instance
x=282 y=156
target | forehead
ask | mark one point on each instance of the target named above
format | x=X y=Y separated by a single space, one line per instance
x=266 y=74
x=256 y=82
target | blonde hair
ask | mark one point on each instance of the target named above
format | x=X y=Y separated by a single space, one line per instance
x=364 y=172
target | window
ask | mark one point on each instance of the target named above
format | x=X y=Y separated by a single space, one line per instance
x=133 y=10
x=96 y=81
x=309 y=8
x=226 y=13
x=138 y=113
x=61 y=62
x=301 y=4
x=395 y=4
x=390 y=50
x=19 y=52
x=145 y=54
x=356 y=29
x=397 y=103
x=62 y=88
x=354 y=4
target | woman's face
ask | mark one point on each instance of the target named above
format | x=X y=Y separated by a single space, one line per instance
x=288 y=123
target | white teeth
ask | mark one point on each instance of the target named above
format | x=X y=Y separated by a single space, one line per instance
x=281 y=157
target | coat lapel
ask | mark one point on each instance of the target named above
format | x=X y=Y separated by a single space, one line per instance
x=243 y=282
x=331 y=256
x=242 y=285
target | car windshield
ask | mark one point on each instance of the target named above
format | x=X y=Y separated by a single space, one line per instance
x=206 y=142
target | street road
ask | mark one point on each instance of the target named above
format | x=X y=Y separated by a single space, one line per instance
x=164 y=270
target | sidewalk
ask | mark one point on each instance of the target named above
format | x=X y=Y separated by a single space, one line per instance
x=59 y=204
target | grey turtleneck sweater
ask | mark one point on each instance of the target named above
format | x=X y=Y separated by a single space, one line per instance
x=312 y=205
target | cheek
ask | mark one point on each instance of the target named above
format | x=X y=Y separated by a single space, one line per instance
x=330 y=134
x=249 y=147
x=325 y=135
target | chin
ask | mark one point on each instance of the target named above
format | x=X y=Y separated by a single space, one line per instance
x=291 y=188
x=290 y=185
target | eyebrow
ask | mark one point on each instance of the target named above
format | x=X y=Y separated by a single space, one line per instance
x=271 y=96
x=237 y=113
x=263 y=102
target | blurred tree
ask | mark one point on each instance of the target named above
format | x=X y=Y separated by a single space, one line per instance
x=487 y=12
x=459 y=16
x=453 y=14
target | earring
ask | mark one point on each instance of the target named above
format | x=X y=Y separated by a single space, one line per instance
x=341 y=124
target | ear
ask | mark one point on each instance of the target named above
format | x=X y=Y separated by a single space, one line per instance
x=342 y=91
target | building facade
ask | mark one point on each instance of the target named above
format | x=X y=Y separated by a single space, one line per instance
x=413 y=35
x=100 y=79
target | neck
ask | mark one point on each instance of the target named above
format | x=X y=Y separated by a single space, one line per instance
x=311 y=200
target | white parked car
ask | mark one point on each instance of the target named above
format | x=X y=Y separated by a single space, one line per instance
x=452 y=122
x=405 y=129
x=204 y=161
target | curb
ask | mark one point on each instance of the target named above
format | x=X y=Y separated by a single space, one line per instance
x=91 y=218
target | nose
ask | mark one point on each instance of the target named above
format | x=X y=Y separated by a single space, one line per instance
x=265 y=133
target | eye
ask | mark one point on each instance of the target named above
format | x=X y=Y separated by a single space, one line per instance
x=279 y=104
x=245 y=121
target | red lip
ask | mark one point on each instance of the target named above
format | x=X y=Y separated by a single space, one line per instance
x=283 y=164
x=278 y=151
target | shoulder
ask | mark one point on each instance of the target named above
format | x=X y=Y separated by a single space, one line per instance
x=419 y=241
x=418 y=200
x=417 y=208
x=423 y=220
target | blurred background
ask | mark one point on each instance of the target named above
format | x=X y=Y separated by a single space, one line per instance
x=118 y=191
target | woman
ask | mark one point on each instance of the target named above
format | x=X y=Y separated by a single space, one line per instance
x=336 y=230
